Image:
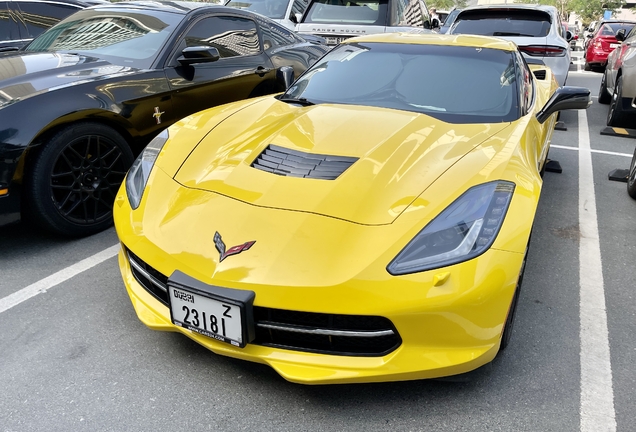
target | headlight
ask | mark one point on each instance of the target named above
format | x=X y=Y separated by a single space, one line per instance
x=138 y=175
x=464 y=230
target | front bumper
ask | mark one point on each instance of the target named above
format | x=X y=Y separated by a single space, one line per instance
x=449 y=321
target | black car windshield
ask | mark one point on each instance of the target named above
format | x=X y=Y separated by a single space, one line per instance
x=123 y=37
x=274 y=9
x=520 y=22
x=610 y=29
x=359 y=12
x=451 y=83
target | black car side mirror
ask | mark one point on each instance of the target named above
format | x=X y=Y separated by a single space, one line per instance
x=198 y=54
x=568 y=35
x=620 y=35
x=564 y=98
x=285 y=76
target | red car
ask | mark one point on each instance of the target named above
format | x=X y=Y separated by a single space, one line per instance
x=602 y=42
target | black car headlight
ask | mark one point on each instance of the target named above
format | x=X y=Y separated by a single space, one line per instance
x=140 y=171
x=464 y=230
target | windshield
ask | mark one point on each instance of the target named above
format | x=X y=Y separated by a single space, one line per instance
x=361 y=12
x=453 y=84
x=610 y=29
x=274 y=9
x=521 y=22
x=127 y=38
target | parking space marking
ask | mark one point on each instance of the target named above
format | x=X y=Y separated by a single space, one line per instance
x=63 y=275
x=597 y=394
x=593 y=151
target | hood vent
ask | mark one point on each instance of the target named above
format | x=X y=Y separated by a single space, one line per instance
x=540 y=74
x=293 y=163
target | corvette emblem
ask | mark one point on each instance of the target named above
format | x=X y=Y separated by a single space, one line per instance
x=220 y=246
x=157 y=115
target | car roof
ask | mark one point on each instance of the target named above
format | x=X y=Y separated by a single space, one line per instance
x=438 y=39
x=503 y=6
x=182 y=7
x=69 y=2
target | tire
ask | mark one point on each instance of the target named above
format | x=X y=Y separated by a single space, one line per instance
x=631 y=179
x=603 y=96
x=615 y=115
x=512 y=312
x=587 y=66
x=72 y=181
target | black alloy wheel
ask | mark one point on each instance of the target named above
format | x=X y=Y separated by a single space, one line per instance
x=512 y=312
x=75 y=178
x=631 y=179
x=603 y=95
x=616 y=116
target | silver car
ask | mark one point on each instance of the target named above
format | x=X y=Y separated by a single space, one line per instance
x=536 y=29
x=336 y=21
x=618 y=85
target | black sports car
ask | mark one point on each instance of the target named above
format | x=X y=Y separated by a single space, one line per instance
x=84 y=97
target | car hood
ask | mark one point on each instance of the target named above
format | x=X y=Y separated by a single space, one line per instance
x=27 y=74
x=397 y=154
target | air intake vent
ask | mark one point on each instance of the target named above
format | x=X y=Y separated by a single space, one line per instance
x=292 y=163
x=539 y=74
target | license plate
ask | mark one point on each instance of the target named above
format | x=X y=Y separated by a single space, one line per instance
x=614 y=45
x=199 y=307
x=332 y=40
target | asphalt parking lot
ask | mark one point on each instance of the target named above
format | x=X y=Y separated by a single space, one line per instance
x=74 y=356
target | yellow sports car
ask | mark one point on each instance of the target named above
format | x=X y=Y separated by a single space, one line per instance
x=369 y=224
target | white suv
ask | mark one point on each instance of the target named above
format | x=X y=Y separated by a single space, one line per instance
x=336 y=20
x=536 y=29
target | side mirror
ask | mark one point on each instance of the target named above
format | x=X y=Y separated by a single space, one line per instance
x=589 y=36
x=299 y=17
x=620 y=35
x=564 y=98
x=198 y=54
x=568 y=35
x=285 y=76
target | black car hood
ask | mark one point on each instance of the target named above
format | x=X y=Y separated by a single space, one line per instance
x=25 y=75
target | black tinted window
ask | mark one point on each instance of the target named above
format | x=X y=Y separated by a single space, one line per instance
x=527 y=23
x=232 y=36
x=362 y=12
x=276 y=36
x=39 y=16
x=8 y=26
x=610 y=29
x=453 y=84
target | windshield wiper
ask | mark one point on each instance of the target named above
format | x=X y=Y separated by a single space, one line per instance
x=300 y=101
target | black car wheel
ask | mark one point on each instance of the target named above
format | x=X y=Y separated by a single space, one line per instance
x=631 y=179
x=74 y=179
x=603 y=96
x=512 y=312
x=587 y=66
x=615 y=115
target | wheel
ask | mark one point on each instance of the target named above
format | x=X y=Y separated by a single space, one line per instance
x=587 y=66
x=615 y=115
x=72 y=182
x=510 y=319
x=603 y=96
x=631 y=179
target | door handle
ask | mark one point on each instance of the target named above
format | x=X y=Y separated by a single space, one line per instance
x=261 y=70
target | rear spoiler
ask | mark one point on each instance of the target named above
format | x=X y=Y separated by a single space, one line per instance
x=534 y=61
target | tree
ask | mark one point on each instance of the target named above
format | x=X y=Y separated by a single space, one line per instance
x=592 y=10
x=447 y=4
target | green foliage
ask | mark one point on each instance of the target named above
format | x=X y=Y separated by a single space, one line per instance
x=592 y=10
x=447 y=4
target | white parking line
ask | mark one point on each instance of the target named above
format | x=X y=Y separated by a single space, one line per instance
x=49 y=282
x=597 y=394
x=592 y=151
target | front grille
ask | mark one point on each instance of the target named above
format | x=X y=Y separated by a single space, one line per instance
x=149 y=278
x=540 y=74
x=351 y=335
x=293 y=163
